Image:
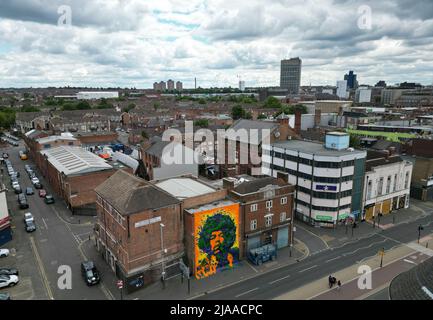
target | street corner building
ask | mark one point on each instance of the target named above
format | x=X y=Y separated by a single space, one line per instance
x=139 y=229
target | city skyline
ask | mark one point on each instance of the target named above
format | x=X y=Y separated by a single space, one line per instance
x=114 y=44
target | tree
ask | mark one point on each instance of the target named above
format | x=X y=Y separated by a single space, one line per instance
x=83 y=105
x=144 y=135
x=129 y=107
x=272 y=103
x=239 y=113
x=156 y=105
x=261 y=116
x=354 y=141
x=202 y=123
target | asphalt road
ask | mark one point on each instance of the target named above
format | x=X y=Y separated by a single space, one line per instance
x=322 y=264
x=56 y=242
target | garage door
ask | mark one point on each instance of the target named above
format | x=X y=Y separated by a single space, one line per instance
x=253 y=243
x=369 y=213
x=283 y=237
x=386 y=207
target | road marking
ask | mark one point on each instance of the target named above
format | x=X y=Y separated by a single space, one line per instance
x=409 y=261
x=41 y=268
x=246 y=292
x=308 y=268
x=46 y=227
x=333 y=259
x=272 y=282
x=255 y=270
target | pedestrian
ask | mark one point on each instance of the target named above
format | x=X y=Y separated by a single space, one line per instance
x=338 y=285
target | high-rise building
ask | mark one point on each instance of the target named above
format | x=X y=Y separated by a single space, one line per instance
x=342 y=89
x=170 y=85
x=156 y=86
x=290 y=75
x=162 y=86
x=242 y=85
x=179 y=86
x=352 y=83
x=363 y=95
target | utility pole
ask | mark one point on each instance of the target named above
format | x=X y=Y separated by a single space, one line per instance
x=382 y=253
x=161 y=225
x=420 y=228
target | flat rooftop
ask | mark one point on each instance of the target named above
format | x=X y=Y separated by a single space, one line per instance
x=210 y=206
x=314 y=148
x=184 y=188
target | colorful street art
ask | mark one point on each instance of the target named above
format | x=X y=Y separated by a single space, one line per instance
x=216 y=240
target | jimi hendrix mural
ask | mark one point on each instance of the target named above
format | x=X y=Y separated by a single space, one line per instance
x=216 y=240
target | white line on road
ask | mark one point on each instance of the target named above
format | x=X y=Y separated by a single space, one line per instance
x=409 y=261
x=308 y=268
x=333 y=259
x=246 y=292
x=46 y=227
x=272 y=282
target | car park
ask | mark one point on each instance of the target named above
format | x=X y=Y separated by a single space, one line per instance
x=4 y=253
x=29 y=191
x=8 y=281
x=42 y=193
x=8 y=271
x=49 y=199
x=90 y=273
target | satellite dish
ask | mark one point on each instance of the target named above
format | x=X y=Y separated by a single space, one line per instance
x=277 y=134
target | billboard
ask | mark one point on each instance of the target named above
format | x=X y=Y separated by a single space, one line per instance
x=216 y=240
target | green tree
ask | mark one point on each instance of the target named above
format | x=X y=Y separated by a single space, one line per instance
x=83 y=105
x=144 y=135
x=354 y=141
x=261 y=116
x=239 y=113
x=272 y=103
x=202 y=123
x=129 y=107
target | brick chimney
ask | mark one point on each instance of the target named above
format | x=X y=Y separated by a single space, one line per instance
x=228 y=183
x=298 y=117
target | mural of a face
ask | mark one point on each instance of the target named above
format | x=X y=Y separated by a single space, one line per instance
x=217 y=245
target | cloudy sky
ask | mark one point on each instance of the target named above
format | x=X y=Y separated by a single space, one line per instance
x=136 y=42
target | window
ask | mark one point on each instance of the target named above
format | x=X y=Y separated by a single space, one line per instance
x=70 y=143
x=406 y=180
x=284 y=200
x=388 y=185
x=395 y=183
x=268 y=221
x=253 y=225
x=268 y=204
x=283 y=217
x=380 y=187
x=253 y=207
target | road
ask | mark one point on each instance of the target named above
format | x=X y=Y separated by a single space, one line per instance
x=288 y=278
x=55 y=243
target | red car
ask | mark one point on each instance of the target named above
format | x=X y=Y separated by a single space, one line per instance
x=42 y=193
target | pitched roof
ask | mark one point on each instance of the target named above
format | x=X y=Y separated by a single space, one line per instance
x=254 y=129
x=129 y=194
x=256 y=185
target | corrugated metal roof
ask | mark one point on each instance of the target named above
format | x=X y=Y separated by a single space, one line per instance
x=75 y=160
x=183 y=188
x=54 y=138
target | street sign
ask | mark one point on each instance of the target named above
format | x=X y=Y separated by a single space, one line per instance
x=120 y=284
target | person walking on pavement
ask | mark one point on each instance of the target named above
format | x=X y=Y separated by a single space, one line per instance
x=338 y=285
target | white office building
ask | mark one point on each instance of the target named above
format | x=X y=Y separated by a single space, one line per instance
x=342 y=89
x=363 y=95
x=328 y=178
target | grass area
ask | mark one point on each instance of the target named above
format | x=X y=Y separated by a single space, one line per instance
x=390 y=136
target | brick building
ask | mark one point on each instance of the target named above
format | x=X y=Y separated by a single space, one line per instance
x=422 y=177
x=139 y=229
x=266 y=209
x=73 y=173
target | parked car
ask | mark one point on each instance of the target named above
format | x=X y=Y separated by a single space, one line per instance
x=30 y=225
x=8 y=271
x=49 y=199
x=42 y=193
x=5 y=155
x=4 y=253
x=36 y=183
x=29 y=191
x=28 y=216
x=8 y=281
x=5 y=296
x=22 y=201
x=17 y=189
x=90 y=273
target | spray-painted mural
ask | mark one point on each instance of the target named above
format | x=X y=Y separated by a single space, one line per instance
x=216 y=240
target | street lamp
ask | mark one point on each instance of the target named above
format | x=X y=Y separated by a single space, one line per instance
x=161 y=225
x=420 y=228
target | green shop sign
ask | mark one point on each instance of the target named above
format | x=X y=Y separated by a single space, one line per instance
x=343 y=216
x=323 y=218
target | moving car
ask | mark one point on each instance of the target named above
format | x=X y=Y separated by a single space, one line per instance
x=30 y=225
x=90 y=273
x=28 y=216
x=29 y=191
x=22 y=201
x=49 y=199
x=4 y=253
x=8 y=271
x=42 y=193
x=8 y=281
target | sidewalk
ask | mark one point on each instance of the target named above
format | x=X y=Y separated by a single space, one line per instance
x=395 y=262
x=341 y=235
x=176 y=290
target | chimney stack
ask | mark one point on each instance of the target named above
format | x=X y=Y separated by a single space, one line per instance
x=229 y=183
x=317 y=117
x=298 y=117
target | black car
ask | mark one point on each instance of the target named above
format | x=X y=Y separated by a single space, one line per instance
x=9 y=271
x=22 y=201
x=90 y=273
x=49 y=199
x=29 y=191
x=5 y=155
x=30 y=226
x=37 y=185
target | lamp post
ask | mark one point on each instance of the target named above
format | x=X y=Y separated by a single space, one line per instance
x=161 y=225
x=420 y=228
